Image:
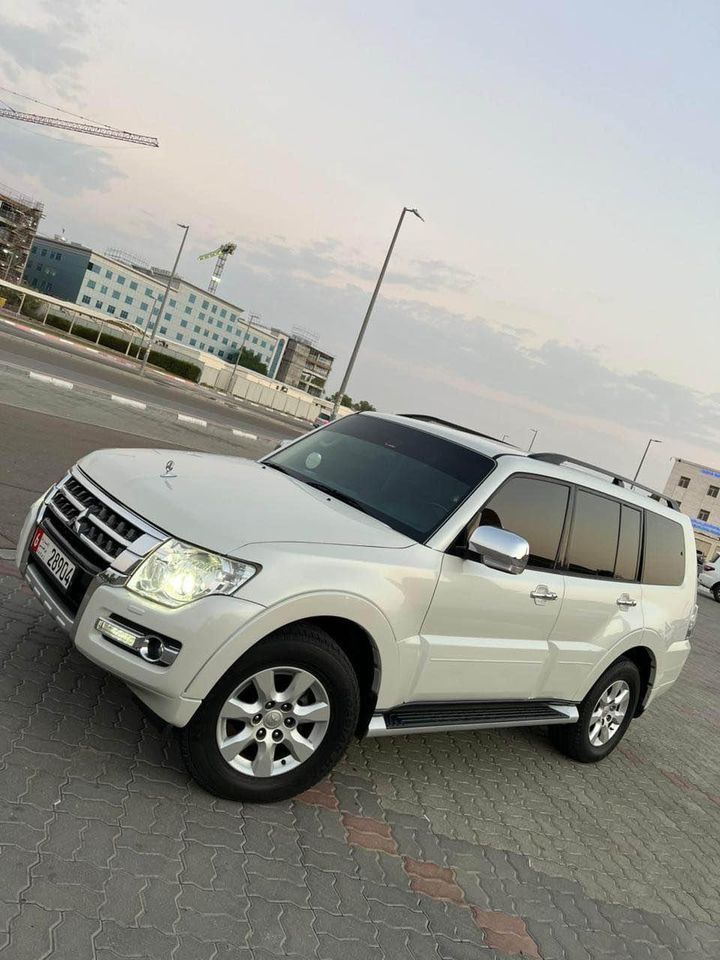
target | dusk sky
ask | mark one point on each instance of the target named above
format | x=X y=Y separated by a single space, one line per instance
x=563 y=154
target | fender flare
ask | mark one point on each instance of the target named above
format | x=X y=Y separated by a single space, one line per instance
x=307 y=607
x=639 y=638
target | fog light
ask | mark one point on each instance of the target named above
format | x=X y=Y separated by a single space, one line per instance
x=114 y=631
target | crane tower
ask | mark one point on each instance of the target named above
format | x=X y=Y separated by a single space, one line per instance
x=224 y=251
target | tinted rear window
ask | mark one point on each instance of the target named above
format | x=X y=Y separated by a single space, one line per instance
x=594 y=537
x=533 y=509
x=664 y=556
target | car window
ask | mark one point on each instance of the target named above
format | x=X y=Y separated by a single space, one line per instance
x=534 y=509
x=664 y=553
x=408 y=478
x=593 y=542
x=628 y=555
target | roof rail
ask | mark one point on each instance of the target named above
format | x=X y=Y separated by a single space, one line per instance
x=427 y=418
x=619 y=481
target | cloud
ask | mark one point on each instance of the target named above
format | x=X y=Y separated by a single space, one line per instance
x=430 y=275
x=60 y=166
x=45 y=41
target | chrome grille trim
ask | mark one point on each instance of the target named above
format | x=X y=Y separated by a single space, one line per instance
x=116 y=535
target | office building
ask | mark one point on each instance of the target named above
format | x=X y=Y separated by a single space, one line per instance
x=19 y=219
x=696 y=487
x=117 y=284
x=304 y=366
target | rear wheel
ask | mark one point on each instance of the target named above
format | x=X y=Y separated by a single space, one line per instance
x=277 y=722
x=605 y=715
x=716 y=592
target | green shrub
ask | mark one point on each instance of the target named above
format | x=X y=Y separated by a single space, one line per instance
x=30 y=306
x=182 y=368
x=60 y=323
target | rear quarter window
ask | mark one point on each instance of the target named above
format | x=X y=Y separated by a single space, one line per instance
x=664 y=551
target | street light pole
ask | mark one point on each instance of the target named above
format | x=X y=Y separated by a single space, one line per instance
x=185 y=228
x=534 y=433
x=353 y=356
x=231 y=382
x=642 y=460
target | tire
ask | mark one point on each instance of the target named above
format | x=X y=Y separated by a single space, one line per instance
x=255 y=775
x=716 y=592
x=574 y=740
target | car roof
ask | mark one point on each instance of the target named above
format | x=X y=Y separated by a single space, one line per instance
x=554 y=467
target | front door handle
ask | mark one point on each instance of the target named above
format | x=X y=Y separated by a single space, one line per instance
x=625 y=600
x=542 y=593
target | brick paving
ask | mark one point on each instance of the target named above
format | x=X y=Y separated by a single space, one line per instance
x=474 y=845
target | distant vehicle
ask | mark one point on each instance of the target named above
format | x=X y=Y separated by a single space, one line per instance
x=383 y=575
x=710 y=577
x=321 y=419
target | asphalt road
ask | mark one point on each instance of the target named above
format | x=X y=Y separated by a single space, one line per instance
x=59 y=358
x=36 y=448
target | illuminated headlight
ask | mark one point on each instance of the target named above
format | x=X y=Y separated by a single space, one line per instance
x=177 y=573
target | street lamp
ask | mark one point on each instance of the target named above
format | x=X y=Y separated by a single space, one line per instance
x=233 y=377
x=534 y=433
x=642 y=459
x=185 y=228
x=353 y=356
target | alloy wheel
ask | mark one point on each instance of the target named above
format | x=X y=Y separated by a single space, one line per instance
x=609 y=712
x=273 y=722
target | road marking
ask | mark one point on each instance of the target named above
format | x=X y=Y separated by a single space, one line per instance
x=55 y=381
x=196 y=420
x=241 y=433
x=128 y=402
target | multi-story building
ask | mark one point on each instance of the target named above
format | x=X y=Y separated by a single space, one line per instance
x=133 y=292
x=697 y=489
x=304 y=366
x=19 y=219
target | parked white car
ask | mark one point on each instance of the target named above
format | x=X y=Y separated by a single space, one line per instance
x=384 y=575
x=710 y=577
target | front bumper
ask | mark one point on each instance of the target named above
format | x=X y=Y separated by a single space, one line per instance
x=201 y=628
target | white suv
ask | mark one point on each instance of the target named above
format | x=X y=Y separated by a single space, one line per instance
x=384 y=575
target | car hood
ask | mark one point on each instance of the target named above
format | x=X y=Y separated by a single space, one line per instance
x=226 y=503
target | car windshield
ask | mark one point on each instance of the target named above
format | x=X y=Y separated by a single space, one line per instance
x=408 y=478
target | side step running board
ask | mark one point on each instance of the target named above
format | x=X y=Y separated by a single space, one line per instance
x=469 y=715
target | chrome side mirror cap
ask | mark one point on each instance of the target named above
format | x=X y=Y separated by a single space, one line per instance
x=500 y=549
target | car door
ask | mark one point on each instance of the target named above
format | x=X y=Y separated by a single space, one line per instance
x=603 y=597
x=485 y=636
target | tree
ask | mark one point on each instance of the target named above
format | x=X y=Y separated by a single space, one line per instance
x=345 y=402
x=363 y=406
x=249 y=360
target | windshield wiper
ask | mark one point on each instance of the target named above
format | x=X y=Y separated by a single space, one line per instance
x=337 y=494
x=276 y=466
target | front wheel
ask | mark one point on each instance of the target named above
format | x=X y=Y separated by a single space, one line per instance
x=605 y=715
x=277 y=722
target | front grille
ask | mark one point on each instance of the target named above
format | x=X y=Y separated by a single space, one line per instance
x=93 y=531
x=97 y=524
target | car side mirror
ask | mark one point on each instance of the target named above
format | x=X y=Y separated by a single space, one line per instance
x=500 y=549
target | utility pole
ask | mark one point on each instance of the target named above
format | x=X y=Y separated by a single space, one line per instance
x=353 y=356
x=642 y=459
x=185 y=228
x=231 y=382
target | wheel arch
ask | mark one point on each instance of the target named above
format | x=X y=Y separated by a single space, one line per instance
x=359 y=629
x=644 y=659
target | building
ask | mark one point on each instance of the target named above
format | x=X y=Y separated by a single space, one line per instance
x=19 y=219
x=304 y=366
x=697 y=490
x=117 y=285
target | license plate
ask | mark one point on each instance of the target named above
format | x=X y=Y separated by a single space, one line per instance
x=56 y=562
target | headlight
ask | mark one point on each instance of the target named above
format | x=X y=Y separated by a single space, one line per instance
x=177 y=573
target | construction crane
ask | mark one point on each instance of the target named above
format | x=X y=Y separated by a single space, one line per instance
x=224 y=251
x=87 y=126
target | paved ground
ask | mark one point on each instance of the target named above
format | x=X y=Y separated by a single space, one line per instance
x=44 y=350
x=44 y=430
x=464 y=847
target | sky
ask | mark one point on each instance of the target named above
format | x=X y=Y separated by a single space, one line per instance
x=563 y=154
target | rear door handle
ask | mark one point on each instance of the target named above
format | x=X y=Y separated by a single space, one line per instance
x=625 y=600
x=542 y=593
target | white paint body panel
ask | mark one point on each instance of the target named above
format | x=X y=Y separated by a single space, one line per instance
x=443 y=627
